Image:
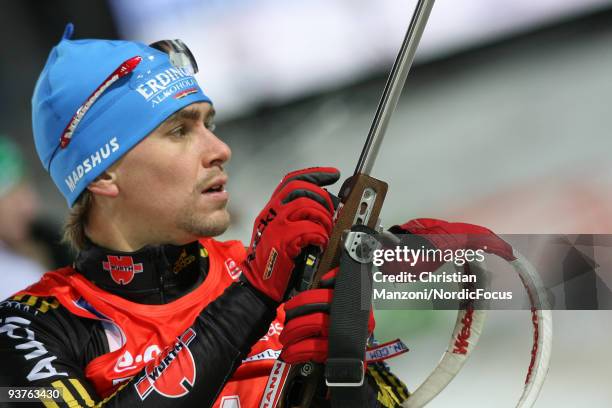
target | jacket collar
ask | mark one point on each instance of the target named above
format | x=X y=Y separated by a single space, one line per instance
x=151 y=275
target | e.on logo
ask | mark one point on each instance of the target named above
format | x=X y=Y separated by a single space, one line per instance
x=233 y=269
x=128 y=362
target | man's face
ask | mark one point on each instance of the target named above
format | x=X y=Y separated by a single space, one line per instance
x=172 y=184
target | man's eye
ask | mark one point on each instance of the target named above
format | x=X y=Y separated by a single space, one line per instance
x=178 y=131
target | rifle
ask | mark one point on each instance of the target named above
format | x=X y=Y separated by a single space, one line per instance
x=361 y=199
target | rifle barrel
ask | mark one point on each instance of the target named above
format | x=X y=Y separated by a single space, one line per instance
x=393 y=87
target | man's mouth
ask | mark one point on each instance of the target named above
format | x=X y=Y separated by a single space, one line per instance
x=215 y=189
x=216 y=186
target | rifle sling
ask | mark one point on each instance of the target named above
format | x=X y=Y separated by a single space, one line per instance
x=348 y=332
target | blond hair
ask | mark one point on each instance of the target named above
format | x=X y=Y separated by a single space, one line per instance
x=74 y=227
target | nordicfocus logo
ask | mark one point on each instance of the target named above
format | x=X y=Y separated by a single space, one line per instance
x=121 y=268
x=174 y=375
x=171 y=82
x=90 y=163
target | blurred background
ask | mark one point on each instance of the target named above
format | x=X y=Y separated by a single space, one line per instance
x=505 y=121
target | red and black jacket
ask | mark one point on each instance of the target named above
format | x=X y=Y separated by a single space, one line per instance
x=163 y=326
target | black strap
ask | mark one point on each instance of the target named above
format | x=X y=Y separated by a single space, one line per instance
x=348 y=333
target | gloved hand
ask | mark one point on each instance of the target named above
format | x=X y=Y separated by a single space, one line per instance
x=439 y=234
x=298 y=214
x=306 y=332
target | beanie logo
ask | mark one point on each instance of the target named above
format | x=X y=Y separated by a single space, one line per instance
x=89 y=163
x=167 y=83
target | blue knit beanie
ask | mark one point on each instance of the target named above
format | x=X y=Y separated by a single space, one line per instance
x=124 y=113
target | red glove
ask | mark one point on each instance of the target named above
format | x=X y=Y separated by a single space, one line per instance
x=443 y=235
x=298 y=214
x=306 y=331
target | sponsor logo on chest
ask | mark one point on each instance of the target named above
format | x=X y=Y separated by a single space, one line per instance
x=175 y=373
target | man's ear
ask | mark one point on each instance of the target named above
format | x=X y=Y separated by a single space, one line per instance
x=105 y=184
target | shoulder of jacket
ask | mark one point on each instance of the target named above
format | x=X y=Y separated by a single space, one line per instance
x=29 y=304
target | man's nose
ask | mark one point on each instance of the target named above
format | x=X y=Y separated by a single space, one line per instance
x=216 y=151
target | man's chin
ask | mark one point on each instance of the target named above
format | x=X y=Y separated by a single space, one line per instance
x=210 y=225
x=220 y=226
